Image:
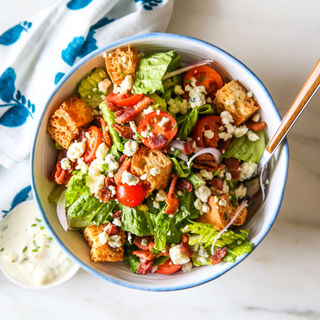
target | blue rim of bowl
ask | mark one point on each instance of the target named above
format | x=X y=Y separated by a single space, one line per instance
x=170 y=36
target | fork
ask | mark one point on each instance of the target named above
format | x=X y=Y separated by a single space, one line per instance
x=256 y=191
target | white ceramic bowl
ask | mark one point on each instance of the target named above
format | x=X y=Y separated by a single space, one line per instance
x=44 y=155
x=67 y=276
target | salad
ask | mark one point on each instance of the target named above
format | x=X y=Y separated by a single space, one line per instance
x=152 y=162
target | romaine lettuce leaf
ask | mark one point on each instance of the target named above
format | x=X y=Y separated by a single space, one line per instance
x=205 y=234
x=55 y=193
x=188 y=121
x=136 y=221
x=109 y=118
x=159 y=103
x=76 y=187
x=244 y=149
x=195 y=180
x=169 y=85
x=151 y=69
x=182 y=171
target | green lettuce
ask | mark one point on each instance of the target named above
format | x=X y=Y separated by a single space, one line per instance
x=55 y=193
x=151 y=69
x=244 y=149
x=195 y=180
x=136 y=221
x=169 y=85
x=188 y=121
x=76 y=187
x=204 y=234
x=109 y=118
x=159 y=103
x=131 y=260
x=182 y=171
x=88 y=87
x=88 y=210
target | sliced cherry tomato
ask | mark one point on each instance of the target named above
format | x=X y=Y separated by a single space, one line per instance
x=130 y=196
x=206 y=77
x=163 y=127
x=168 y=267
x=124 y=99
x=92 y=143
x=206 y=123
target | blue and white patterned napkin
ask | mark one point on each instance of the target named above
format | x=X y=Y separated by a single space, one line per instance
x=35 y=55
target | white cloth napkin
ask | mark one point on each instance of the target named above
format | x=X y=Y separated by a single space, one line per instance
x=34 y=56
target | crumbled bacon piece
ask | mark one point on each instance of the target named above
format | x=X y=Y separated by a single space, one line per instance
x=117 y=215
x=183 y=184
x=205 y=157
x=172 y=200
x=146 y=260
x=113 y=230
x=233 y=167
x=212 y=167
x=124 y=166
x=188 y=147
x=118 y=113
x=223 y=145
x=218 y=255
x=130 y=113
x=105 y=194
x=105 y=133
x=157 y=141
x=216 y=183
x=60 y=175
x=113 y=107
x=123 y=157
x=255 y=126
x=165 y=253
x=185 y=247
x=144 y=243
x=124 y=131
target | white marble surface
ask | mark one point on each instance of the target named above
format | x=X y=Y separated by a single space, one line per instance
x=279 y=41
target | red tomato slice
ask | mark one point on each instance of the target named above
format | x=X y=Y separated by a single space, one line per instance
x=163 y=132
x=124 y=99
x=206 y=123
x=206 y=77
x=168 y=267
x=92 y=143
x=130 y=196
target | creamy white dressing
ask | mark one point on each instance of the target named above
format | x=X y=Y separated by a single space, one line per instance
x=27 y=252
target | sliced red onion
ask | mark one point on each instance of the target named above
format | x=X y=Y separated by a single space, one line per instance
x=242 y=206
x=215 y=152
x=186 y=68
x=178 y=144
x=153 y=269
x=61 y=211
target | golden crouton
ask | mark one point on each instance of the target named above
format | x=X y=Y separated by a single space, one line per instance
x=102 y=252
x=119 y=61
x=144 y=160
x=233 y=97
x=65 y=122
x=221 y=212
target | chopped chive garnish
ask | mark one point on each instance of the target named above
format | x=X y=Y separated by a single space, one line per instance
x=33 y=225
x=179 y=97
x=47 y=246
x=188 y=81
x=25 y=259
x=202 y=78
x=104 y=140
x=203 y=93
x=149 y=127
x=139 y=136
x=217 y=172
x=147 y=151
x=49 y=238
x=1 y=249
x=123 y=74
x=176 y=153
x=175 y=126
x=39 y=220
x=226 y=216
x=194 y=145
x=42 y=227
x=227 y=79
x=24 y=249
x=5 y=227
